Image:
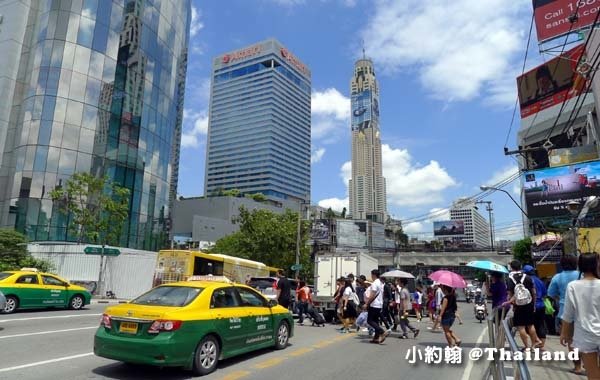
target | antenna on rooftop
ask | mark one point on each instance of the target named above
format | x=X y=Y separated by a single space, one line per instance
x=363 y=48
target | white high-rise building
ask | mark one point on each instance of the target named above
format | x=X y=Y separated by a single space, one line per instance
x=477 y=228
x=367 y=186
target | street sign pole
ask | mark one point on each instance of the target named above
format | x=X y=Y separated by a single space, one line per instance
x=101 y=273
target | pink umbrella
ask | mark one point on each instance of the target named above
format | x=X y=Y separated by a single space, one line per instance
x=451 y=279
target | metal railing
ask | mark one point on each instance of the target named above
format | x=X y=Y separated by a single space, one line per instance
x=501 y=334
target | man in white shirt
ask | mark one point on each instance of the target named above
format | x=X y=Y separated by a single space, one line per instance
x=373 y=305
x=439 y=297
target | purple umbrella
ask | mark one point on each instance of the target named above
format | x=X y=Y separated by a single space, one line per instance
x=451 y=279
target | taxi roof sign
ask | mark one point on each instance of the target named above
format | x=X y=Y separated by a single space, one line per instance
x=29 y=270
x=210 y=278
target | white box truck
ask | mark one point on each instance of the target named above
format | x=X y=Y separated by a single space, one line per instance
x=330 y=267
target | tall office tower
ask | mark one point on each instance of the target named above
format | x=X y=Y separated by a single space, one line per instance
x=259 y=124
x=477 y=228
x=367 y=186
x=91 y=86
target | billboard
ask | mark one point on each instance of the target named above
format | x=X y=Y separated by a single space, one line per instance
x=552 y=16
x=352 y=234
x=448 y=228
x=319 y=230
x=551 y=83
x=361 y=110
x=548 y=191
x=548 y=247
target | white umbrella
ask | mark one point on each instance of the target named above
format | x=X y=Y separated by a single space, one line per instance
x=397 y=274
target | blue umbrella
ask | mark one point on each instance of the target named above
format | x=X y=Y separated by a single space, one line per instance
x=488 y=265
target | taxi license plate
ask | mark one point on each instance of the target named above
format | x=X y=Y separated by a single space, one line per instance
x=128 y=327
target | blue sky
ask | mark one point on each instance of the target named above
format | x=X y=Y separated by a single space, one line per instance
x=446 y=72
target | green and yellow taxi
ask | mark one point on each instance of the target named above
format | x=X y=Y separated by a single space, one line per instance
x=192 y=324
x=30 y=289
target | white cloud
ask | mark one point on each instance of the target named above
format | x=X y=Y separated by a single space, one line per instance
x=504 y=173
x=460 y=49
x=195 y=24
x=410 y=184
x=413 y=228
x=330 y=113
x=336 y=204
x=317 y=155
x=439 y=214
x=512 y=231
x=191 y=136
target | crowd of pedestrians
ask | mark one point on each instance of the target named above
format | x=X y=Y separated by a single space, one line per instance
x=382 y=306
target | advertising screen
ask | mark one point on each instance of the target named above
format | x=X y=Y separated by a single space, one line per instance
x=552 y=16
x=551 y=83
x=448 y=228
x=319 y=230
x=548 y=191
x=352 y=234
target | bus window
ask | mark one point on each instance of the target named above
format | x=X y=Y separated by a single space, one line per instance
x=204 y=267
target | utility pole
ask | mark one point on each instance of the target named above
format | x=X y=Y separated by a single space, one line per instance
x=298 y=231
x=489 y=209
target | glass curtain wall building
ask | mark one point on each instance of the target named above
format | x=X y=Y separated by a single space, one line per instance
x=95 y=86
x=259 y=123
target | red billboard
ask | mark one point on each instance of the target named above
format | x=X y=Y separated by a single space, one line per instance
x=552 y=16
x=551 y=83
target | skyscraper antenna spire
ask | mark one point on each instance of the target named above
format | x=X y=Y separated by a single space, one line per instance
x=363 y=49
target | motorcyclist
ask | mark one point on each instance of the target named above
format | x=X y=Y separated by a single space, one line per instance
x=479 y=300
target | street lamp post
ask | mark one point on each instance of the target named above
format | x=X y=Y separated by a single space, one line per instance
x=485 y=188
x=298 y=232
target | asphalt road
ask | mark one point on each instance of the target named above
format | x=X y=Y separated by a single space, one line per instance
x=57 y=344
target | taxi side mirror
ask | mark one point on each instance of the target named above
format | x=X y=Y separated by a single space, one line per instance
x=272 y=303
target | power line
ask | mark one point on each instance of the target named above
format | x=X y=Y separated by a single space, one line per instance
x=512 y=120
x=587 y=41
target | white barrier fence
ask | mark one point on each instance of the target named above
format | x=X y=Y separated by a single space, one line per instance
x=127 y=275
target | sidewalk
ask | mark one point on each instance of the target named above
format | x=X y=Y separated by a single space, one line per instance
x=98 y=300
x=555 y=369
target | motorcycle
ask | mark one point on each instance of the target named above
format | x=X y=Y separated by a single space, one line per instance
x=480 y=311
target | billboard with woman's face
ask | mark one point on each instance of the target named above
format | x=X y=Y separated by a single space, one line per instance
x=551 y=83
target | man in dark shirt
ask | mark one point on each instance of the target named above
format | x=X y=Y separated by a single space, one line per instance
x=523 y=318
x=284 y=290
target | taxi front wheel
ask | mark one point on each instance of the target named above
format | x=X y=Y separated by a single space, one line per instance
x=207 y=356
x=283 y=335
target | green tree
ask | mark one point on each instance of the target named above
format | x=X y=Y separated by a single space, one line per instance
x=401 y=238
x=344 y=213
x=96 y=206
x=232 y=193
x=14 y=254
x=258 y=197
x=522 y=250
x=330 y=214
x=270 y=238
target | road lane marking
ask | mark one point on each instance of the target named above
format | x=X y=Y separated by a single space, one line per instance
x=48 y=332
x=467 y=374
x=269 y=363
x=236 y=375
x=23 y=366
x=53 y=317
x=301 y=351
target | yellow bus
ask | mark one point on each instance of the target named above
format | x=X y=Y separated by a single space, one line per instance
x=179 y=265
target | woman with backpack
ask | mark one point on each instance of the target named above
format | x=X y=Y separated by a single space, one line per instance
x=522 y=294
x=349 y=304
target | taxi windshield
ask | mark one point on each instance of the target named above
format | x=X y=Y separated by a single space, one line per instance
x=168 y=296
x=4 y=275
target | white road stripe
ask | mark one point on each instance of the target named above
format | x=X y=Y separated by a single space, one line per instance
x=53 y=317
x=467 y=374
x=48 y=332
x=7 y=369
